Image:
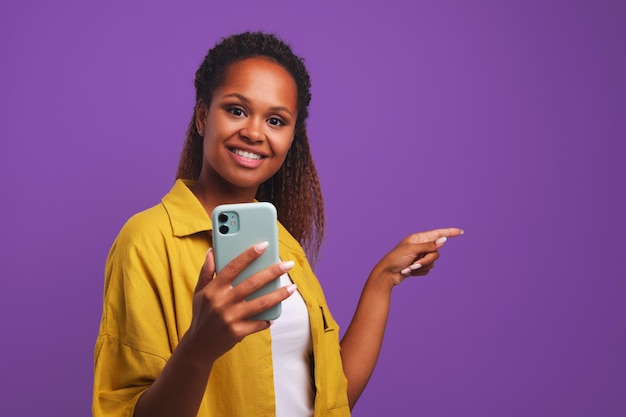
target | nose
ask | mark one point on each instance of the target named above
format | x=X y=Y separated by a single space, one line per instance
x=252 y=131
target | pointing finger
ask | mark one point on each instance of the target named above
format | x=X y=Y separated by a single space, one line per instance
x=435 y=234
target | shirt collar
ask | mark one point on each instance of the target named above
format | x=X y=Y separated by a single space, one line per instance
x=187 y=215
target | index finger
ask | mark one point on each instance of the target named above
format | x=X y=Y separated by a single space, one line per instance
x=232 y=269
x=435 y=234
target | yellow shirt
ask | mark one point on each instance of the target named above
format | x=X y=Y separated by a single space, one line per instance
x=150 y=276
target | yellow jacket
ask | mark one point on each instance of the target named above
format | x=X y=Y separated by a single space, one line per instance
x=150 y=276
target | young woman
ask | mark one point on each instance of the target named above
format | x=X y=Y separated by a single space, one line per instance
x=175 y=337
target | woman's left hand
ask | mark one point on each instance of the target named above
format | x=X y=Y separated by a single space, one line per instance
x=360 y=346
x=415 y=255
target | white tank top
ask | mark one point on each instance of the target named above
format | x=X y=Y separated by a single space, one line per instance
x=291 y=354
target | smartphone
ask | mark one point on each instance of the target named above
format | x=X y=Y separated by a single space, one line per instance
x=236 y=227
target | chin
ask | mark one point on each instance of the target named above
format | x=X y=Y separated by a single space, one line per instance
x=248 y=182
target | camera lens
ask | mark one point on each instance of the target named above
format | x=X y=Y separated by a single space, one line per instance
x=223 y=218
x=223 y=229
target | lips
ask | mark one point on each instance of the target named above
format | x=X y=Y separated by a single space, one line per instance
x=246 y=154
x=246 y=159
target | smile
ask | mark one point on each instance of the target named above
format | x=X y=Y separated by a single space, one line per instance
x=246 y=154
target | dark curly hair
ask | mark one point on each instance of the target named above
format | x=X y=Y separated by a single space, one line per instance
x=295 y=189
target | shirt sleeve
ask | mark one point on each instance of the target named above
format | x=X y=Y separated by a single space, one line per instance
x=133 y=343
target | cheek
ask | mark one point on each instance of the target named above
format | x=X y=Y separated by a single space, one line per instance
x=215 y=135
x=283 y=152
x=285 y=142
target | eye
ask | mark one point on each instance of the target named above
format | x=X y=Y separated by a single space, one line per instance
x=236 y=111
x=275 y=121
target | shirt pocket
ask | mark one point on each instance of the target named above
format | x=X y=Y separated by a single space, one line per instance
x=336 y=384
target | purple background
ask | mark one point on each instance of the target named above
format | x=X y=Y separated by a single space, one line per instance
x=504 y=118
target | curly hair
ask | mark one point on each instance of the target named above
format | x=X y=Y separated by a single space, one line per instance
x=295 y=189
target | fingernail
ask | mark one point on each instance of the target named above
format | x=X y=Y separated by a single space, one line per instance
x=415 y=266
x=270 y=322
x=291 y=288
x=406 y=271
x=260 y=247
x=287 y=265
x=441 y=241
x=462 y=231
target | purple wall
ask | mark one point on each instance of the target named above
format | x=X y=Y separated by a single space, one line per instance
x=505 y=118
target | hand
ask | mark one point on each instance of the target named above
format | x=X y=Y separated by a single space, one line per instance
x=221 y=312
x=415 y=255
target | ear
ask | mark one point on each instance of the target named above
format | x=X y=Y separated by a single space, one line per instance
x=201 y=115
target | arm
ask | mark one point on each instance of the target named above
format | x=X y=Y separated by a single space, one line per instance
x=360 y=346
x=219 y=321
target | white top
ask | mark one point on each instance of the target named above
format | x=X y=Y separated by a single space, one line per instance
x=291 y=354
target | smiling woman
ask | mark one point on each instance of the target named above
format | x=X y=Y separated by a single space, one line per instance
x=177 y=338
x=248 y=128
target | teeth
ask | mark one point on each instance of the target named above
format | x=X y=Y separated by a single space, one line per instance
x=246 y=154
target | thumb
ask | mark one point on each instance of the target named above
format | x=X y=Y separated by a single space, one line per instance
x=207 y=271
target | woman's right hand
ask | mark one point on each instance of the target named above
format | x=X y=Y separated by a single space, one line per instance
x=221 y=312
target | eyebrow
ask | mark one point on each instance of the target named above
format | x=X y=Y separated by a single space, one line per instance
x=247 y=101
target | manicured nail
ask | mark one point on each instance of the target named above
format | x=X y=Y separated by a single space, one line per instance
x=287 y=265
x=292 y=288
x=260 y=247
x=406 y=271
x=415 y=267
x=441 y=241
x=270 y=322
x=462 y=231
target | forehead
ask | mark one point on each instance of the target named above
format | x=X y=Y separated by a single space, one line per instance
x=258 y=77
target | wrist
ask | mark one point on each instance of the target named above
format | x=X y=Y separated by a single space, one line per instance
x=381 y=279
x=191 y=352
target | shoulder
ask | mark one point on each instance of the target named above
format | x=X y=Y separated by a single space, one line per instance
x=145 y=236
x=146 y=225
x=140 y=250
x=178 y=214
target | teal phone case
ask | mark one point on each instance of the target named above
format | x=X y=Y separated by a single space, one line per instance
x=247 y=224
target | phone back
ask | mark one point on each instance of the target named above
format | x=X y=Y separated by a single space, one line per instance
x=236 y=227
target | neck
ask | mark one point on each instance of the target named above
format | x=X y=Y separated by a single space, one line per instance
x=217 y=193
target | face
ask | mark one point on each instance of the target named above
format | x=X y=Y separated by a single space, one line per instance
x=248 y=126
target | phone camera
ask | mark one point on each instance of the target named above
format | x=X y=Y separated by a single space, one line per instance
x=223 y=218
x=223 y=228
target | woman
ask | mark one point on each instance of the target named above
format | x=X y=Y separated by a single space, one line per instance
x=175 y=338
